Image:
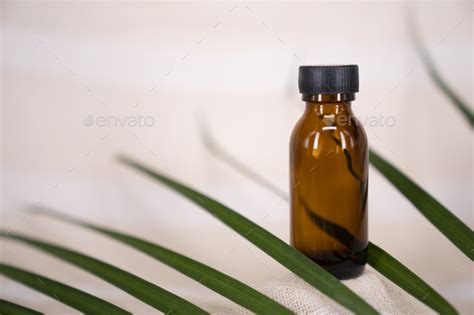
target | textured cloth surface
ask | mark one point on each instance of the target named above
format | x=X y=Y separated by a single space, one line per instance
x=302 y=298
x=379 y=292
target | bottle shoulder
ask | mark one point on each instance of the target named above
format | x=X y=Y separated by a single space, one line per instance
x=311 y=122
x=331 y=126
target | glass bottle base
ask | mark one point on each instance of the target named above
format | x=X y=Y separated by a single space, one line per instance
x=339 y=264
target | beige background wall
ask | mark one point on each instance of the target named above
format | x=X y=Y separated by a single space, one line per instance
x=64 y=62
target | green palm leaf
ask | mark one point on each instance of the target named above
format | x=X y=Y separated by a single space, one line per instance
x=141 y=289
x=9 y=308
x=223 y=284
x=391 y=268
x=65 y=294
x=228 y=158
x=379 y=259
x=446 y=222
x=269 y=243
x=435 y=75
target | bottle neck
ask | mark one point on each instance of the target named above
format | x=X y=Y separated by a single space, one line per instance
x=329 y=104
x=329 y=98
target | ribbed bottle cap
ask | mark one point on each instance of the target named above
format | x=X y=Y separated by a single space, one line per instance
x=328 y=79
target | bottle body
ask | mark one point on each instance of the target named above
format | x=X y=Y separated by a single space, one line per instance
x=329 y=185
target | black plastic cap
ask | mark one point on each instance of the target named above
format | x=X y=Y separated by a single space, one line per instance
x=328 y=79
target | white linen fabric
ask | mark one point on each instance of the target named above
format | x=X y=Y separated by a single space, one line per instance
x=302 y=298
x=383 y=295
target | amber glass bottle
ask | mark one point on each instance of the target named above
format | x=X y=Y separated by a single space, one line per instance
x=329 y=172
